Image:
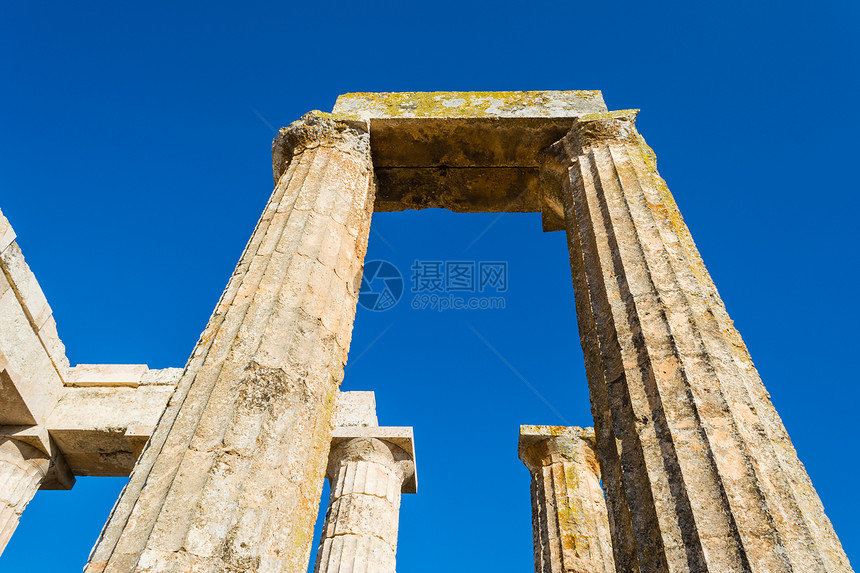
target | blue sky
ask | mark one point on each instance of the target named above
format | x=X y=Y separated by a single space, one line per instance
x=135 y=161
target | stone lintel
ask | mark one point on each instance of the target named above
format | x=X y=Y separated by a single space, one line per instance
x=7 y=233
x=101 y=430
x=469 y=152
x=13 y=406
x=470 y=104
x=97 y=429
x=400 y=436
x=461 y=190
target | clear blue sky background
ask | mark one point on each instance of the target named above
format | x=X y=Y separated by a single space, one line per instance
x=134 y=162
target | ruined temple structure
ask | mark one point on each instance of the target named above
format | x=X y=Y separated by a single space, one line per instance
x=227 y=457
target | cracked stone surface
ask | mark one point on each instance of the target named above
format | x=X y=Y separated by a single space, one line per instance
x=569 y=520
x=699 y=472
x=230 y=479
x=360 y=531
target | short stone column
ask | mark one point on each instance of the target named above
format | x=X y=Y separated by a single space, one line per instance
x=22 y=469
x=232 y=475
x=569 y=520
x=367 y=476
x=699 y=472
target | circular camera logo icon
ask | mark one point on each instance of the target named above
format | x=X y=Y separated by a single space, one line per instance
x=381 y=286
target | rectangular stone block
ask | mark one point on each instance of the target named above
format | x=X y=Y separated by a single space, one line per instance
x=106 y=375
x=102 y=430
x=470 y=104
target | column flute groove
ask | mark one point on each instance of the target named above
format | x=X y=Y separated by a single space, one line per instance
x=788 y=506
x=224 y=480
x=22 y=469
x=555 y=174
x=360 y=530
x=695 y=426
x=119 y=516
x=569 y=517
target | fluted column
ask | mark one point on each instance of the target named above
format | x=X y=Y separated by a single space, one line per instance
x=231 y=477
x=22 y=469
x=569 y=520
x=360 y=532
x=699 y=471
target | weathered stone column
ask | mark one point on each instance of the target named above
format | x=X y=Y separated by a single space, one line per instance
x=22 y=469
x=231 y=477
x=699 y=471
x=569 y=520
x=360 y=532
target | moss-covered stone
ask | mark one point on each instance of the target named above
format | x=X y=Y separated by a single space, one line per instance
x=470 y=104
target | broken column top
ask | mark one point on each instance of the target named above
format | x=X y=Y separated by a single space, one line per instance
x=469 y=104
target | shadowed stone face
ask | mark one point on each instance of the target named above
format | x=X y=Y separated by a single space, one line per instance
x=22 y=469
x=468 y=152
x=698 y=470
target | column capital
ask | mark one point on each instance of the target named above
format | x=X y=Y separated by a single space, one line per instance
x=319 y=129
x=589 y=130
x=541 y=446
x=388 y=445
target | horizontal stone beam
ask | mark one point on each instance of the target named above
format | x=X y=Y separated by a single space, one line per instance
x=93 y=419
x=469 y=152
x=571 y=103
x=458 y=189
x=101 y=429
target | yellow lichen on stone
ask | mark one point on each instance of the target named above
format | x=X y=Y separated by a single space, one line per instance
x=470 y=104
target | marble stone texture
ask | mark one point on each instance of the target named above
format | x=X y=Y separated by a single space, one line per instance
x=369 y=467
x=699 y=472
x=231 y=477
x=569 y=520
x=360 y=531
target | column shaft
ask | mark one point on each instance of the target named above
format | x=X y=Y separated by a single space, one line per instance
x=360 y=532
x=22 y=468
x=231 y=477
x=692 y=447
x=569 y=519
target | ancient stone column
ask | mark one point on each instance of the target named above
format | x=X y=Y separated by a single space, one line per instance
x=569 y=520
x=699 y=471
x=22 y=469
x=360 y=531
x=231 y=478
